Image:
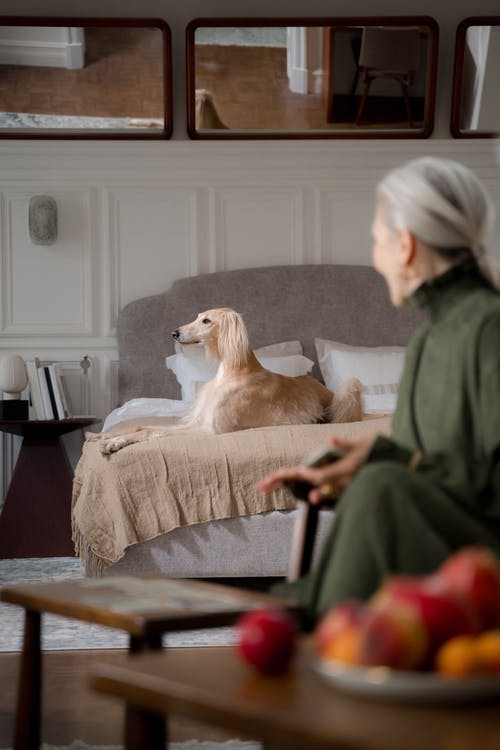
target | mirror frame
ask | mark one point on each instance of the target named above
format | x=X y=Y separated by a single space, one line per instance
x=104 y=22
x=237 y=134
x=458 y=71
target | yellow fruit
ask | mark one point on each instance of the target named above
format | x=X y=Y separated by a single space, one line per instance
x=487 y=651
x=345 y=647
x=457 y=657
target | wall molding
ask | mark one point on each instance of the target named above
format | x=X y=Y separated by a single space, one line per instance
x=15 y=247
x=66 y=48
x=178 y=162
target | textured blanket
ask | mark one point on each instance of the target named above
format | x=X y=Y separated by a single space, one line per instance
x=151 y=487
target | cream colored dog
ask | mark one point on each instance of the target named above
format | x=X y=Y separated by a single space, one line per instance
x=244 y=394
x=206 y=114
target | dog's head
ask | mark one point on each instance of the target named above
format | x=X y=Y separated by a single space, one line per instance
x=221 y=330
x=205 y=328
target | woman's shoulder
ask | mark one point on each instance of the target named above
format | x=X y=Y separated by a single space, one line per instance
x=485 y=302
x=488 y=321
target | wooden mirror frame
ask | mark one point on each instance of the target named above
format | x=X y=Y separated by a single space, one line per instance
x=353 y=133
x=108 y=22
x=458 y=71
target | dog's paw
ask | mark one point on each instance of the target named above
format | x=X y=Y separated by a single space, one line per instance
x=111 y=445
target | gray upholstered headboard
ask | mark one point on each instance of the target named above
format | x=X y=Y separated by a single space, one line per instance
x=349 y=304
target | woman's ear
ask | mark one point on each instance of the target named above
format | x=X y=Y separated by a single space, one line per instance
x=407 y=247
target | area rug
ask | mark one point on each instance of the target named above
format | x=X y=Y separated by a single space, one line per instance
x=190 y=745
x=69 y=122
x=62 y=633
x=253 y=36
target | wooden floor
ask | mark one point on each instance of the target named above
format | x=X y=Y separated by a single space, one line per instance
x=250 y=88
x=123 y=76
x=71 y=710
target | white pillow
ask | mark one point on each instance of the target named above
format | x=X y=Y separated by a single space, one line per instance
x=293 y=365
x=280 y=349
x=194 y=371
x=378 y=368
x=145 y=407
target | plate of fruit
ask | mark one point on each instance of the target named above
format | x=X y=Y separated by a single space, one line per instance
x=433 y=638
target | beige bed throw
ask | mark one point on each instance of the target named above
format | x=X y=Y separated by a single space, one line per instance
x=182 y=478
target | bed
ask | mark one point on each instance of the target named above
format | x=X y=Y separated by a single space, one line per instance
x=185 y=505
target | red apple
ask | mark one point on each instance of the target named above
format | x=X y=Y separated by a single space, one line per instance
x=442 y=614
x=267 y=639
x=337 y=621
x=393 y=636
x=473 y=573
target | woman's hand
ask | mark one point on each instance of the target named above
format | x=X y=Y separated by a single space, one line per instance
x=328 y=480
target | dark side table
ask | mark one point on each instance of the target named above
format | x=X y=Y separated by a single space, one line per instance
x=35 y=520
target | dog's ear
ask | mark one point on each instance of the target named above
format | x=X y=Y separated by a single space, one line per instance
x=233 y=343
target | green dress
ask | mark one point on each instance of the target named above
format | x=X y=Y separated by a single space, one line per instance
x=396 y=519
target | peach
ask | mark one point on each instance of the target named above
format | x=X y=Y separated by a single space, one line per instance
x=346 y=646
x=441 y=614
x=473 y=573
x=392 y=636
x=340 y=619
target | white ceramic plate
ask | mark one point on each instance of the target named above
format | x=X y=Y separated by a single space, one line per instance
x=421 y=687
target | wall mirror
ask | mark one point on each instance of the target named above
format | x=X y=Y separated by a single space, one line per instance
x=476 y=104
x=311 y=78
x=85 y=78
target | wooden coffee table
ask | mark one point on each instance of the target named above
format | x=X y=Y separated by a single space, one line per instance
x=296 y=711
x=145 y=607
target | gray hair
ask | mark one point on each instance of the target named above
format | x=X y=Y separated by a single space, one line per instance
x=443 y=204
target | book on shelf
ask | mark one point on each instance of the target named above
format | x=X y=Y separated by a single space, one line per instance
x=44 y=387
x=55 y=390
x=47 y=393
x=65 y=403
x=35 y=390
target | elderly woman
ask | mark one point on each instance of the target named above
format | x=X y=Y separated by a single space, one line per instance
x=408 y=501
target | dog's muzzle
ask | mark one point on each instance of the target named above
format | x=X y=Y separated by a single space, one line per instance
x=176 y=334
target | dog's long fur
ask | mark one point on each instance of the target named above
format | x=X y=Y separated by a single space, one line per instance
x=244 y=394
x=206 y=114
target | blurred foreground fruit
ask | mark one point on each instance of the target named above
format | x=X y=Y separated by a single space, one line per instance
x=393 y=636
x=474 y=574
x=456 y=657
x=467 y=655
x=267 y=639
x=487 y=649
x=415 y=622
x=441 y=613
x=338 y=630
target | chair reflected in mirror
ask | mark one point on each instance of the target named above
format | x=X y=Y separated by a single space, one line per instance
x=388 y=53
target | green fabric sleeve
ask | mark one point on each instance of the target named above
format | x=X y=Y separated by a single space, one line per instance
x=473 y=476
x=386 y=449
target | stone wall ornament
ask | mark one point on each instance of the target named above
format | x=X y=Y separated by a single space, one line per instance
x=13 y=381
x=43 y=220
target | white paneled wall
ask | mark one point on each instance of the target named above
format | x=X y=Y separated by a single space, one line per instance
x=258 y=226
x=134 y=217
x=46 y=291
x=152 y=235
